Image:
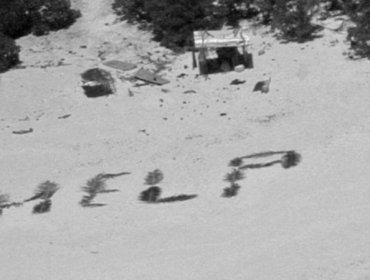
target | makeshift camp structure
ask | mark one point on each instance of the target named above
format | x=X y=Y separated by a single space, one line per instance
x=221 y=50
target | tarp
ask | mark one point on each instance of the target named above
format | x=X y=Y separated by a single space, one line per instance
x=220 y=38
x=147 y=76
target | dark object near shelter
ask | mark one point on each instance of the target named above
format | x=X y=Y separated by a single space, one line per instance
x=97 y=82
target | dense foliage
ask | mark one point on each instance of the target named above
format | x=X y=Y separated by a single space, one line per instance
x=359 y=36
x=21 y=17
x=8 y=53
x=131 y=10
x=293 y=19
x=173 y=21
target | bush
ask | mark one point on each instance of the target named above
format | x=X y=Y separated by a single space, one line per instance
x=266 y=8
x=231 y=191
x=293 y=19
x=9 y=53
x=20 y=17
x=15 y=19
x=52 y=15
x=175 y=21
x=359 y=36
x=233 y=10
x=131 y=10
x=172 y=22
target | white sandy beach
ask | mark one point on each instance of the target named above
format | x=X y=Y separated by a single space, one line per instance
x=311 y=222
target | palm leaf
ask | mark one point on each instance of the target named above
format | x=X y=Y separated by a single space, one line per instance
x=154 y=177
x=231 y=191
x=113 y=175
x=234 y=176
x=290 y=159
x=95 y=185
x=236 y=162
x=44 y=191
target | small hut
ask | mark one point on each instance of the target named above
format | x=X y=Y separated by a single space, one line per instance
x=221 y=50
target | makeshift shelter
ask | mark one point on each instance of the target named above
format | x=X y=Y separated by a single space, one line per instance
x=97 y=82
x=221 y=50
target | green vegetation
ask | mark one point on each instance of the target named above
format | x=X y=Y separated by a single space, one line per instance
x=21 y=17
x=359 y=36
x=172 y=22
x=9 y=53
x=293 y=19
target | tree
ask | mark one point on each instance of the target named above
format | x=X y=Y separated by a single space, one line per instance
x=174 y=21
x=15 y=20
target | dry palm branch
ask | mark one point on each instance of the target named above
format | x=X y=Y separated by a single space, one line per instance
x=44 y=191
x=97 y=185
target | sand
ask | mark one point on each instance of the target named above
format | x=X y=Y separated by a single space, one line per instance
x=310 y=222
